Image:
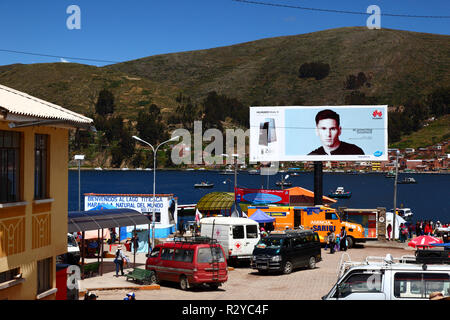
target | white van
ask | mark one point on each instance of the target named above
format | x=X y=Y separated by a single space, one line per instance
x=73 y=251
x=237 y=236
x=405 y=278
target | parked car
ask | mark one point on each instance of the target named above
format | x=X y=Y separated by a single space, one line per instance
x=190 y=262
x=388 y=278
x=237 y=236
x=287 y=250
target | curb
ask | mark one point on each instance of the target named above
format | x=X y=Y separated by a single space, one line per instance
x=148 y=287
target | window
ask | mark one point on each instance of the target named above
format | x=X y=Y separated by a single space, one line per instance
x=360 y=283
x=154 y=253
x=150 y=215
x=252 y=231
x=44 y=275
x=9 y=166
x=420 y=285
x=238 y=232
x=9 y=275
x=330 y=215
x=206 y=255
x=184 y=255
x=40 y=166
x=167 y=254
x=298 y=242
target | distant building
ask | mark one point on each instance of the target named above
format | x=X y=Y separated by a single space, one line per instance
x=413 y=164
x=34 y=138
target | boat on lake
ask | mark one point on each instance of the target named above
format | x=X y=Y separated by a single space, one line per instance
x=204 y=185
x=390 y=174
x=340 y=193
x=228 y=171
x=405 y=213
x=283 y=183
x=253 y=171
x=407 y=180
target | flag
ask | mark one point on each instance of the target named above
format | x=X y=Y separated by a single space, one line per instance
x=198 y=216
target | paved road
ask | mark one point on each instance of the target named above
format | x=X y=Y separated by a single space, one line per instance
x=246 y=284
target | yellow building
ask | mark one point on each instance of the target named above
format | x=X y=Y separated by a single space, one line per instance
x=34 y=137
x=376 y=166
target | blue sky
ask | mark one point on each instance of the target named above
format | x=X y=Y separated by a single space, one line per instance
x=124 y=30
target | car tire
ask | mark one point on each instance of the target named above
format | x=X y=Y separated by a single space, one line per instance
x=214 y=286
x=154 y=278
x=288 y=267
x=312 y=263
x=184 y=284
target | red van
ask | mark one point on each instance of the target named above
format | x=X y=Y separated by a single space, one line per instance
x=189 y=262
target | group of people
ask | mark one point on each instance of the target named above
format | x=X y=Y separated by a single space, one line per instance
x=337 y=242
x=420 y=228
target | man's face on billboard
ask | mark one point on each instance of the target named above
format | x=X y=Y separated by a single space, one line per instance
x=328 y=132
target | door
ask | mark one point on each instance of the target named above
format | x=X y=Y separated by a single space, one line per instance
x=297 y=218
x=238 y=240
x=298 y=251
x=251 y=239
x=165 y=268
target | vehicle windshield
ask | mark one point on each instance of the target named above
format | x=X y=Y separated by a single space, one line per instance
x=71 y=242
x=270 y=243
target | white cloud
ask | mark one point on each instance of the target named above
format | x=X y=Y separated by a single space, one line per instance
x=64 y=60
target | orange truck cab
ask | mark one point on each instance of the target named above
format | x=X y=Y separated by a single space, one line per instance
x=319 y=219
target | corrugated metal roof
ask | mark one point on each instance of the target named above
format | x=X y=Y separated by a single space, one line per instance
x=20 y=103
x=107 y=218
x=216 y=201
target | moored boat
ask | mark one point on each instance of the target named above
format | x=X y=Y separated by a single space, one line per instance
x=284 y=184
x=407 y=180
x=340 y=193
x=204 y=185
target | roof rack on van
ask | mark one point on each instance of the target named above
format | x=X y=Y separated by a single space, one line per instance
x=421 y=257
x=195 y=240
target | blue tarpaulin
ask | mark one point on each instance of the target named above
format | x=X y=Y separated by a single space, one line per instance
x=260 y=217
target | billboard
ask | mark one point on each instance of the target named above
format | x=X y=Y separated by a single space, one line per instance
x=318 y=133
x=262 y=196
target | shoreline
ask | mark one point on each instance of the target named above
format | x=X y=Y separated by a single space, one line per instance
x=287 y=172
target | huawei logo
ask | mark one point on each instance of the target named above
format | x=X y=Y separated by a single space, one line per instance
x=377 y=113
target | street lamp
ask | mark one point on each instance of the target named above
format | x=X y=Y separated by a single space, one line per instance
x=79 y=157
x=154 y=178
x=235 y=156
x=395 y=197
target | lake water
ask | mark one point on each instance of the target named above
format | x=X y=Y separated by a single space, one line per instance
x=429 y=199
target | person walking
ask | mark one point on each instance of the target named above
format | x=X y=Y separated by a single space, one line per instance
x=120 y=257
x=403 y=232
x=410 y=230
x=389 y=230
x=343 y=236
x=263 y=233
x=427 y=230
x=331 y=241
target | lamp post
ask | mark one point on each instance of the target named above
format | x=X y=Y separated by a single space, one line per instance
x=154 y=178
x=395 y=197
x=235 y=156
x=79 y=157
